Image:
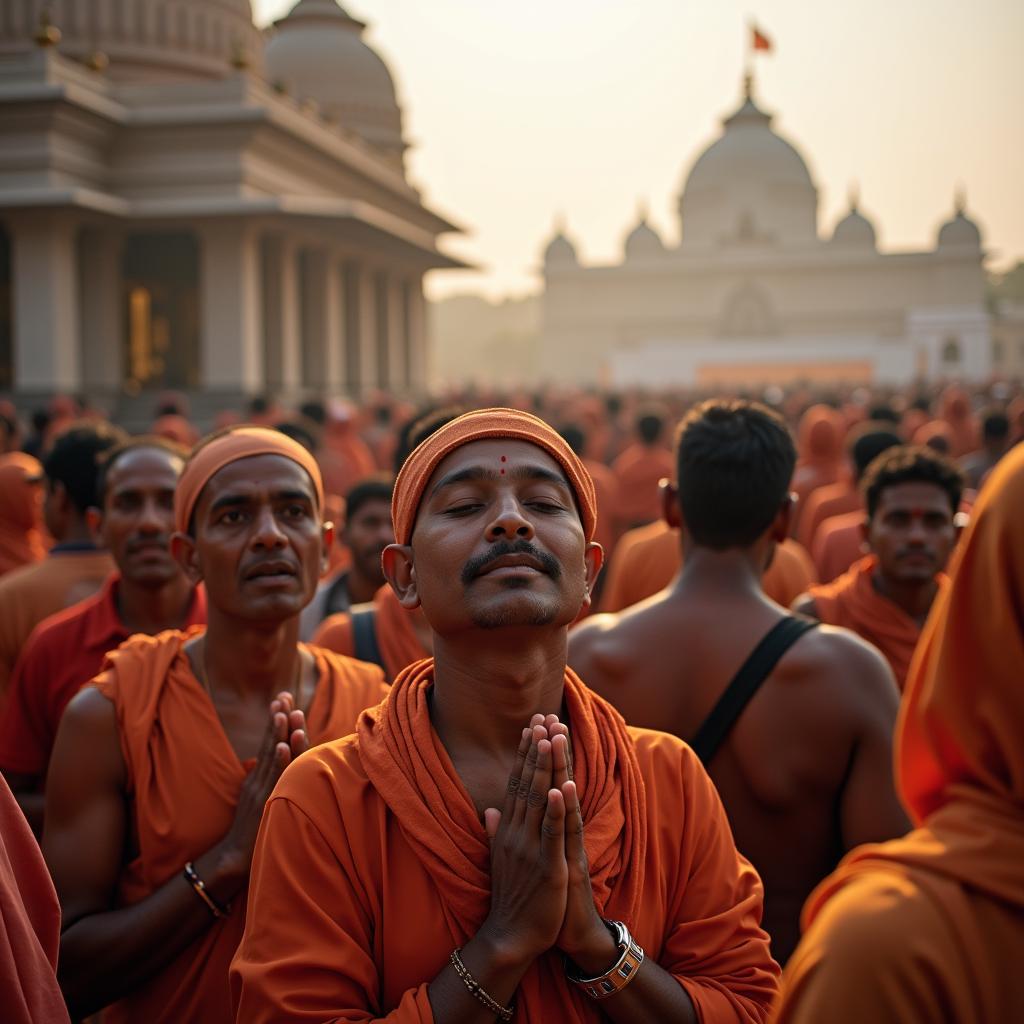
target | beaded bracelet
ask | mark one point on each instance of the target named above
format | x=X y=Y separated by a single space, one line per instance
x=503 y=1012
x=199 y=888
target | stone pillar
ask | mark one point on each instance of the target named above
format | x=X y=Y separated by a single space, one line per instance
x=366 y=328
x=47 y=354
x=231 y=337
x=398 y=366
x=323 y=306
x=100 y=255
x=417 y=340
x=281 y=314
x=335 y=370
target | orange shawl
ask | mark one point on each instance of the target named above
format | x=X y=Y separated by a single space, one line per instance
x=820 y=449
x=183 y=781
x=401 y=757
x=21 y=539
x=960 y=765
x=399 y=645
x=648 y=557
x=29 y=924
x=851 y=601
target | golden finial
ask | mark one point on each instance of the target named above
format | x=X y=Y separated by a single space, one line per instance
x=960 y=199
x=47 y=34
x=641 y=210
x=854 y=196
x=748 y=85
x=97 y=61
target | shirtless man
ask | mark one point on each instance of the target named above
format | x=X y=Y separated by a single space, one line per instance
x=805 y=774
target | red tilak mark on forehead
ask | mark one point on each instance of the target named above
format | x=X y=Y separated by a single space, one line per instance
x=504 y=458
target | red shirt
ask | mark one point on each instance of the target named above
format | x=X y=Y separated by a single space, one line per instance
x=64 y=652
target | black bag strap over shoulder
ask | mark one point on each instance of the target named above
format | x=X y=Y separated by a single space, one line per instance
x=747 y=681
x=364 y=634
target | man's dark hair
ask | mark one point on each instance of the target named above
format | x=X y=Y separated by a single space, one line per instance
x=378 y=487
x=106 y=460
x=649 y=426
x=259 y=405
x=995 y=425
x=734 y=463
x=883 y=413
x=911 y=464
x=574 y=437
x=419 y=428
x=73 y=461
x=868 y=443
x=304 y=435
x=315 y=411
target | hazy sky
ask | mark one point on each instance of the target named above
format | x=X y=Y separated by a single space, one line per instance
x=520 y=111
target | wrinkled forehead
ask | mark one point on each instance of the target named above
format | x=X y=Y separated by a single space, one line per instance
x=255 y=475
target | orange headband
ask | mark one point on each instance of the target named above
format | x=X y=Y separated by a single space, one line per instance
x=240 y=443
x=477 y=426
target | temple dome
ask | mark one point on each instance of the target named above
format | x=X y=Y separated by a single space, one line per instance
x=854 y=229
x=149 y=41
x=560 y=251
x=318 y=53
x=961 y=230
x=748 y=185
x=643 y=241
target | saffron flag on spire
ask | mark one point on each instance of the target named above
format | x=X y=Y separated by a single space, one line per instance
x=759 y=41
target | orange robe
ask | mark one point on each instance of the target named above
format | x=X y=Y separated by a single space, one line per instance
x=34 y=592
x=831 y=500
x=819 y=446
x=606 y=492
x=648 y=557
x=29 y=924
x=21 y=536
x=637 y=473
x=183 y=782
x=838 y=544
x=372 y=865
x=399 y=645
x=851 y=601
x=928 y=929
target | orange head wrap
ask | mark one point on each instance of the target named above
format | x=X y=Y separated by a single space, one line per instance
x=478 y=426
x=241 y=443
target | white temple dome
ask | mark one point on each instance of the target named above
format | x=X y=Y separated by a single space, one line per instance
x=961 y=230
x=147 y=41
x=854 y=229
x=560 y=250
x=643 y=241
x=318 y=53
x=749 y=185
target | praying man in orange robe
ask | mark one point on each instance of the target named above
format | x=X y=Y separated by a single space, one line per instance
x=161 y=767
x=494 y=835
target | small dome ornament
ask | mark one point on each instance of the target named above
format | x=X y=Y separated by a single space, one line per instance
x=960 y=230
x=47 y=34
x=97 y=61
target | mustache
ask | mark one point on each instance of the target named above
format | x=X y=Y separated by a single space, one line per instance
x=476 y=565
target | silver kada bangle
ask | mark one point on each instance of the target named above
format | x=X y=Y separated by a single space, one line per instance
x=621 y=974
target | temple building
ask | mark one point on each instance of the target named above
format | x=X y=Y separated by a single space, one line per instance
x=187 y=202
x=755 y=292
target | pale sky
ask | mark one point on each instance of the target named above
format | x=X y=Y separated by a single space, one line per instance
x=519 y=112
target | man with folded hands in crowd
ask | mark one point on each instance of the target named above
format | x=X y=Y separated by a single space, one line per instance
x=494 y=835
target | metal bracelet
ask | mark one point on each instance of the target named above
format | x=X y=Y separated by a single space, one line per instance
x=503 y=1012
x=199 y=888
x=617 y=977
